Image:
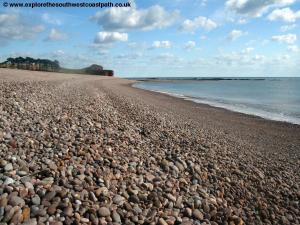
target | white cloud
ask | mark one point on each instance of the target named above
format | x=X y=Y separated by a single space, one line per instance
x=248 y=50
x=198 y=22
x=240 y=58
x=129 y=56
x=110 y=37
x=68 y=60
x=293 y=48
x=13 y=26
x=56 y=35
x=258 y=58
x=125 y=19
x=288 y=38
x=100 y=48
x=235 y=34
x=190 y=45
x=281 y=58
x=49 y=19
x=242 y=21
x=167 y=58
x=138 y=45
x=58 y=53
x=285 y=14
x=255 y=8
x=203 y=2
x=161 y=44
x=287 y=27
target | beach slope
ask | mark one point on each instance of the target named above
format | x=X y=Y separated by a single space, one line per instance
x=79 y=149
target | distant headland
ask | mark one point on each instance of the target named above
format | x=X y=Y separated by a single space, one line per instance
x=47 y=65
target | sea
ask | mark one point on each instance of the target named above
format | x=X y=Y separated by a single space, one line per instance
x=270 y=98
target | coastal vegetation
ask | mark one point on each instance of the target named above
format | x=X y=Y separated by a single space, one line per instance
x=28 y=63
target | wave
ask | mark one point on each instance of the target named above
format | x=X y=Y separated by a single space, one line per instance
x=240 y=108
x=197 y=78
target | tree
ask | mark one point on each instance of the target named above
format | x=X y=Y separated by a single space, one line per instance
x=31 y=63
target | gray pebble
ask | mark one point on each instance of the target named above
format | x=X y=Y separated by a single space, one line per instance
x=8 y=167
x=103 y=211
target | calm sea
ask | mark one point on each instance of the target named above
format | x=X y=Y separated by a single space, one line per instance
x=270 y=98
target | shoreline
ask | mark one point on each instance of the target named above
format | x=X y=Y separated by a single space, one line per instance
x=219 y=105
x=226 y=110
x=260 y=134
x=87 y=149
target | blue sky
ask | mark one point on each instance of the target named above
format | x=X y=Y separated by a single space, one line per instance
x=162 y=38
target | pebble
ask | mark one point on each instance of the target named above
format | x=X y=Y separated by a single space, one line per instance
x=188 y=212
x=171 y=197
x=29 y=185
x=36 y=200
x=178 y=203
x=103 y=211
x=26 y=213
x=118 y=200
x=22 y=173
x=82 y=153
x=10 y=213
x=49 y=196
x=198 y=214
x=17 y=217
x=3 y=200
x=52 y=208
x=3 y=163
x=116 y=217
x=68 y=211
x=16 y=201
x=8 y=167
x=84 y=220
x=134 y=199
x=31 y=221
x=161 y=221
x=55 y=223
x=8 y=136
x=9 y=181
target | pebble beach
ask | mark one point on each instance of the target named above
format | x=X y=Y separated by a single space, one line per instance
x=78 y=149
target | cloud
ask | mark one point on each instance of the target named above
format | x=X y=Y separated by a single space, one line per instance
x=242 y=21
x=58 y=53
x=110 y=37
x=239 y=58
x=258 y=58
x=203 y=3
x=293 y=48
x=167 y=58
x=198 y=22
x=13 y=26
x=287 y=27
x=285 y=14
x=288 y=38
x=161 y=44
x=235 y=34
x=129 y=56
x=126 y=19
x=56 y=35
x=190 y=45
x=49 y=19
x=248 y=50
x=100 y=48
x=255 y=8
x=71 y=60
x=138 y=45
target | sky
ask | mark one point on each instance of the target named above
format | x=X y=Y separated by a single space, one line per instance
x=166 y=38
